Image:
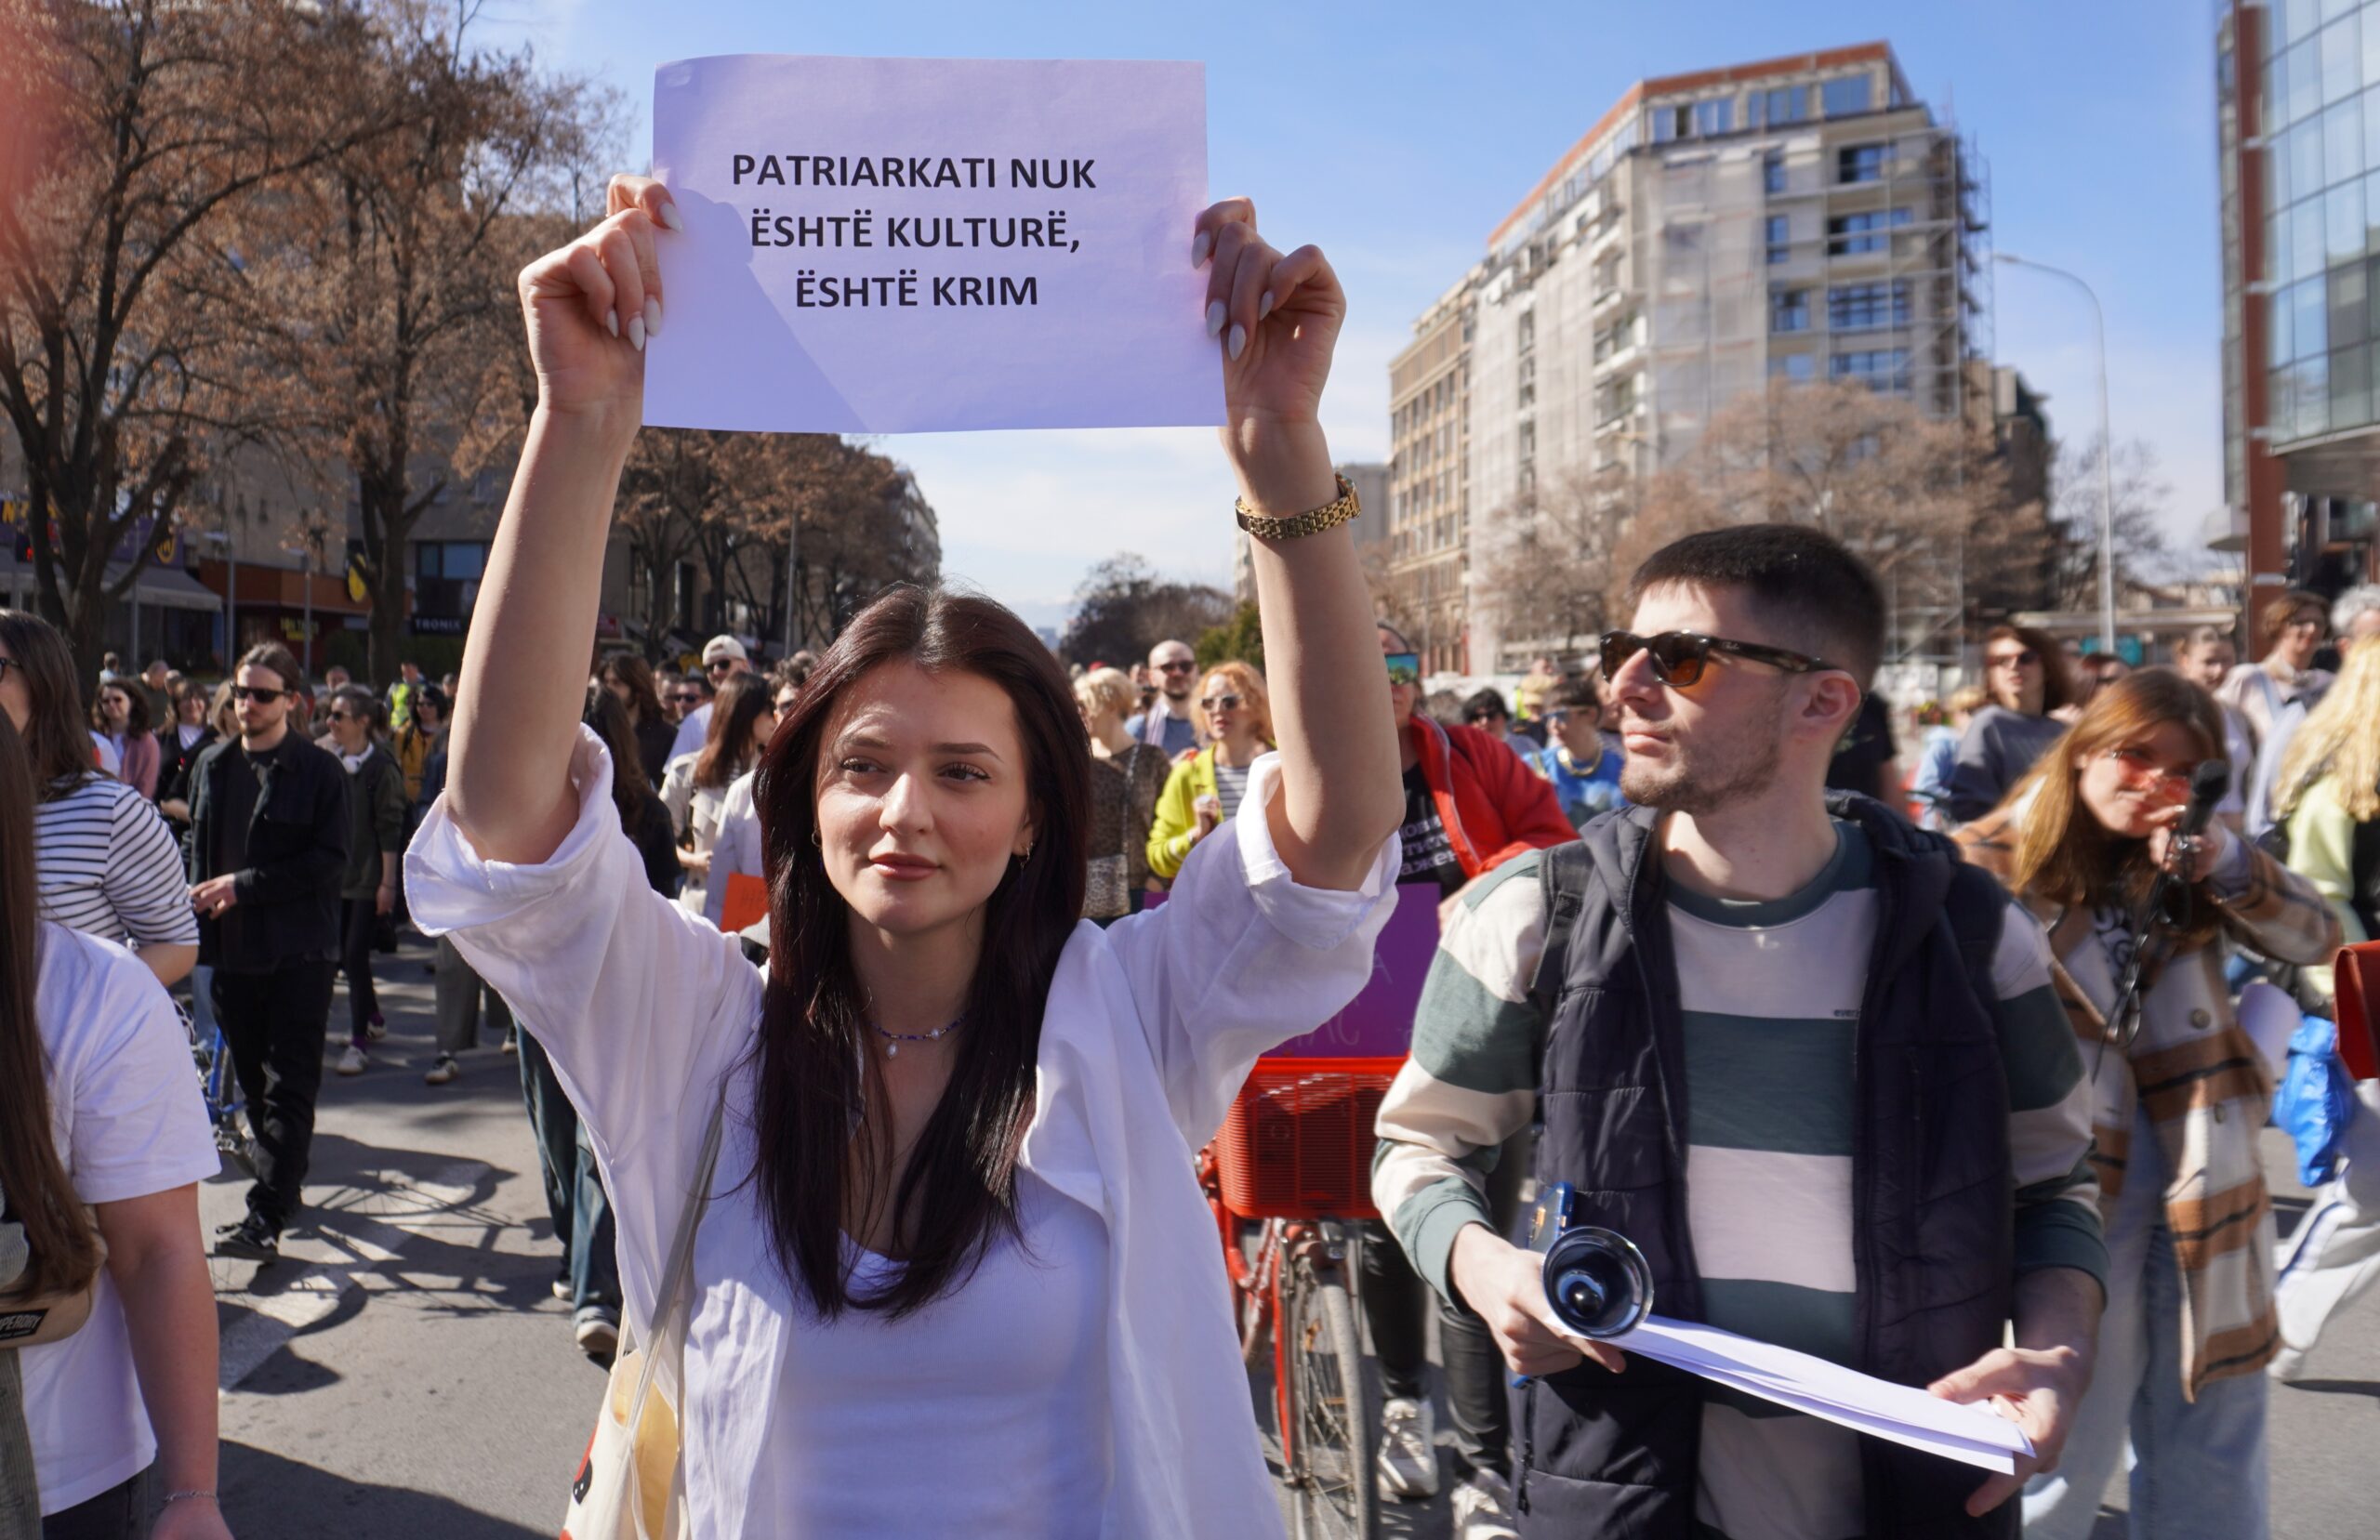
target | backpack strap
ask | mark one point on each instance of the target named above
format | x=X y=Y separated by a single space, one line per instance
x=1561 y=883
x=1977 y=908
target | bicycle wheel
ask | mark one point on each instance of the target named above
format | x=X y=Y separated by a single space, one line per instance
x=1333 y=1406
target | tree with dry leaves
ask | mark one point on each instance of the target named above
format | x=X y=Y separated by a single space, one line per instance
x=145 y=143
x=1549 y=564
x=399 y=297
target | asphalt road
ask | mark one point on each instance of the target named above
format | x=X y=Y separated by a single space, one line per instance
x=405 y=1371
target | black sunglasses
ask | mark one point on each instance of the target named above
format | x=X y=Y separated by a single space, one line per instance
x=256 y=693
x=1679 y=657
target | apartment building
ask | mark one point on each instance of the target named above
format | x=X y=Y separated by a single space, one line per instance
x=1797 y=219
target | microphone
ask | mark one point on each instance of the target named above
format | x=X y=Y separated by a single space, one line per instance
x=2208 y=782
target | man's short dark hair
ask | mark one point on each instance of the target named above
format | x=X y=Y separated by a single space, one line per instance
x=1485 y=703
x=1816 y=596
x=1574 y=692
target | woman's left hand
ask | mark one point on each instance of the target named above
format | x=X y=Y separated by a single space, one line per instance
x=1275 y=317
x=2211 y=845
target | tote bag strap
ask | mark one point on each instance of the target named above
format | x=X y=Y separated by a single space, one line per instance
x=677 y=1274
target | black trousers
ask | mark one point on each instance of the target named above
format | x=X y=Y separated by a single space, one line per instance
x=119 y=1513
x=358 y=919
x=1395 y=1299
x=276 y=1024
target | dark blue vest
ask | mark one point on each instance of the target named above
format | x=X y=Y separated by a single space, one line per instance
x=1933 y=1190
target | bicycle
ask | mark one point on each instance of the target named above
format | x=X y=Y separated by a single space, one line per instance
x=1294 y=1158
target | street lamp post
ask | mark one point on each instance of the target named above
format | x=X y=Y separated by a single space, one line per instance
x=2107 y=450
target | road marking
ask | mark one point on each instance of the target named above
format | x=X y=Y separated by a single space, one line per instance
x=370 y=1223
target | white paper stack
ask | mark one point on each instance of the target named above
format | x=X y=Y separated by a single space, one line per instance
x=1973 y=1434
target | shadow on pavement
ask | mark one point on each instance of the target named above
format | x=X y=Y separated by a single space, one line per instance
x=2337 y=1386
x=267 y=1497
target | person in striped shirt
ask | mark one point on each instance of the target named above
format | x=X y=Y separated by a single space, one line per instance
x=108 y=864
x=1810 y=1064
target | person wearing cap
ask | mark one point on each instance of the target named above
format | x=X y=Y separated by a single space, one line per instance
x=723 y=658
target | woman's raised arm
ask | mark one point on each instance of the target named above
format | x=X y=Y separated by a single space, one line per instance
x=589 y=307
x=1277 y=319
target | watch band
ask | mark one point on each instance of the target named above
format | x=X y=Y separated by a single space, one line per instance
x=1313 y=521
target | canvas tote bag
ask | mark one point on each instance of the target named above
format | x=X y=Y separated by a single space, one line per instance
x=626 y=1485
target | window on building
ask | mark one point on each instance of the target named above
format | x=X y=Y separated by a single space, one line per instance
x=1789 y=309
x=1865 y=307
x=1885 y=370
x=1714 y=117
x=2341 y=60
x=1787 y=104
x=1850 y=234
x=2342 y=142
x=1840 y=98
x=1796 y=368
x=1860 y=163
x=446 y=581
x=1771 y=173
x=1780 y=238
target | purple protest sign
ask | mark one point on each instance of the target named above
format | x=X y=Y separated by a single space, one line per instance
x=1378 y=1024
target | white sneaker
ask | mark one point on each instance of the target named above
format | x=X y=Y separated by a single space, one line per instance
x=1408 y=1449
x=444 y=1071
x=2288 y=1366
x=598 y=1332
x=352 y=1061
x=1483 y=1509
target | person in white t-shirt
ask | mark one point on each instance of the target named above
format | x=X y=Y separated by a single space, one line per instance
x=121 y=1415
x=956 y=1276
x=736 y=849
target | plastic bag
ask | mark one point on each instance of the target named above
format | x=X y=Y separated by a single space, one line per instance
x=2315 y=1100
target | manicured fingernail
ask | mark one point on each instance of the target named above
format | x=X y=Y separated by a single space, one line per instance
x=1238 y=341
x=1199 y=248
x=670 y=216
x=652 y=318
x=1265 y=306
x=1214 y=318
x=636 y=333
x=611 y=319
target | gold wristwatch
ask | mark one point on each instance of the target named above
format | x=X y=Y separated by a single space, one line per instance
x=1314 y=521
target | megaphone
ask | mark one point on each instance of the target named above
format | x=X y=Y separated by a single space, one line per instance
x=1599 y=1284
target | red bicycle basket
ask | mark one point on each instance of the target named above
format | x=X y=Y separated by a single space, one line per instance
x=1298 y=1143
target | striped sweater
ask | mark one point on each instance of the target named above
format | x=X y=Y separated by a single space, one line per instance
x=2196 y=1076
x=1770 y=1013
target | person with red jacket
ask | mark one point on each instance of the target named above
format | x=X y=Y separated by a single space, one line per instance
x=1471 y=804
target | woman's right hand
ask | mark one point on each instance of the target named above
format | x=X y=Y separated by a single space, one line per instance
x=590 y=307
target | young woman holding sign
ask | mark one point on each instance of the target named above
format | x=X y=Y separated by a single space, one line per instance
x=954 y=1275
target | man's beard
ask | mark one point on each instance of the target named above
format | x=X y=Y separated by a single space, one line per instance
x=1704 y=779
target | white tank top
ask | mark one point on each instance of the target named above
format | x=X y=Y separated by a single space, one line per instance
x=985 y=1415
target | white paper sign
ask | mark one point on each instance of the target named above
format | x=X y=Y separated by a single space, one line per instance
x=1973 y=1435
x=898 y=245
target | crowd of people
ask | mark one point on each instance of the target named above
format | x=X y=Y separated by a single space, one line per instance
x=1941 y=1075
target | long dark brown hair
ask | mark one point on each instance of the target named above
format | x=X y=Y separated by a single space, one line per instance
x=41 y=1199
x=2057 y=680
x=645 y=699
x=609 y=719
x=57 y=741
x=816 y=1057
x=735 y=737
x=2065 y=854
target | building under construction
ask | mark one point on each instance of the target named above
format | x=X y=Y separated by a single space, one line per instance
x=1796 y=220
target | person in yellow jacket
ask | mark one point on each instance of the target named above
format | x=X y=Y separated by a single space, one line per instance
x=1235 y=718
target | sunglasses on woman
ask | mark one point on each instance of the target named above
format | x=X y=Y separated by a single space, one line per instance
x=1220 y=703
x=1680 y=657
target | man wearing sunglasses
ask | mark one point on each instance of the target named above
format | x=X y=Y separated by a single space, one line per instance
x=1170 y=721
x=1795 y=1050
x=723 y=658
x=266 y=850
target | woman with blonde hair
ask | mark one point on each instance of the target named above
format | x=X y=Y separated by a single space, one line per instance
x=2176 y=1102
x=1127 y=778
x=2328 y=797
x=1235 y=720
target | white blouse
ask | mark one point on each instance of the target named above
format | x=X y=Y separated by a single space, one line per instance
x=1151 y=1026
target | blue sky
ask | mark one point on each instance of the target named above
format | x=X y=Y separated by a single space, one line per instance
x=1396 y=135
